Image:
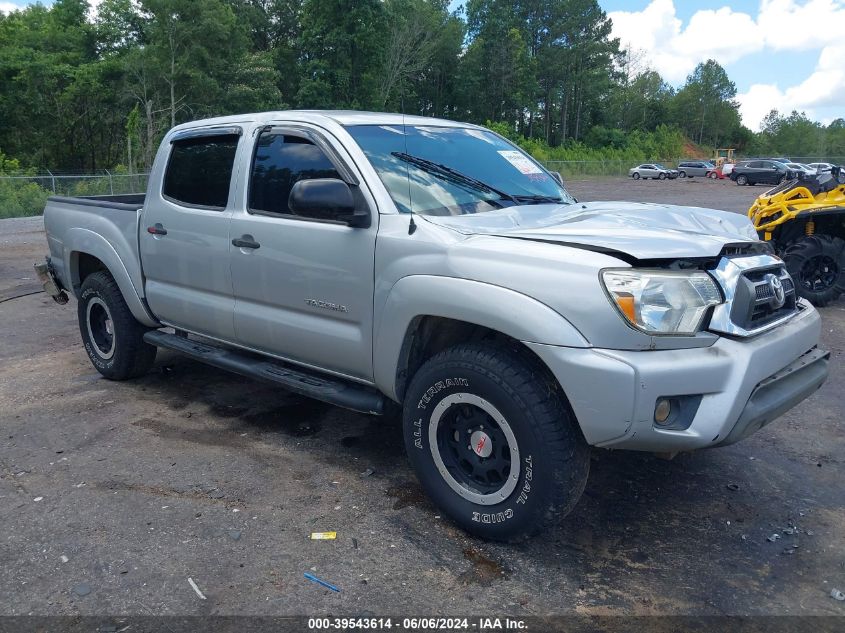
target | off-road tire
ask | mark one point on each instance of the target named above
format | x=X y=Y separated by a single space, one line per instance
x=129 y=356
x=800 y=254
x=742 y=179
x=553 y=460
x=635 y=175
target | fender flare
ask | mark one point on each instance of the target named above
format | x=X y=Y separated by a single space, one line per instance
x=83 y=241
x=495 y=307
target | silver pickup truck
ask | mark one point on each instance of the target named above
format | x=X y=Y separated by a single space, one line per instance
x=375 y=260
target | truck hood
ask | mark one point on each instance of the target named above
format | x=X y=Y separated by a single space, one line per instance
x=640 y=230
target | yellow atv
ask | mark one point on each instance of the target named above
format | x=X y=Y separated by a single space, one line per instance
x=804 y=220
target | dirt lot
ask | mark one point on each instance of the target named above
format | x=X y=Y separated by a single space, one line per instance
x=113 y=494
x=696 y=192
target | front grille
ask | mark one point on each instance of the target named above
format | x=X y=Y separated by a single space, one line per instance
x=759 y=294
x=764 y=291
x=755 y=302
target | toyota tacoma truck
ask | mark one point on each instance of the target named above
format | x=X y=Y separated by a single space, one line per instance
x=377 y=260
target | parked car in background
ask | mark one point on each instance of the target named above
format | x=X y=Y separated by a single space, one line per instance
x=692 y=168
x=825 y=168
x=821 y=167
x=751 y=172
x=801 y=168
x=652 y=170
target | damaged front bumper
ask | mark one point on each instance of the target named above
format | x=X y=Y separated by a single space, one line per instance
x=723 y=393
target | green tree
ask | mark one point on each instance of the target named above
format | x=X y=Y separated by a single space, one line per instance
x=793 y=135
x=705 y=108
x=195 y=46
x=254 y=86
x=341 y=53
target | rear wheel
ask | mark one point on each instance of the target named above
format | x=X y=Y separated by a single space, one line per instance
x=492 y=441
x=742 y=179
x=817 y=264
x=112 y=337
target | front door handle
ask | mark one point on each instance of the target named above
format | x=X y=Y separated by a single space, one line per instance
x=245 y=241
x=156 y=229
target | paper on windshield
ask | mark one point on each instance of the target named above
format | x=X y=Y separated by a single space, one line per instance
x=520 y=161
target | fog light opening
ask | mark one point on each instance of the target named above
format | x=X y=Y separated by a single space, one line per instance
x=662 y=411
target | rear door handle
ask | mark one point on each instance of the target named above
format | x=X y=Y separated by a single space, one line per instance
x=245 y=241
x=156 y=229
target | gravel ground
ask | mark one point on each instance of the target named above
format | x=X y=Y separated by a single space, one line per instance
x=112 y=495
x=695 y=192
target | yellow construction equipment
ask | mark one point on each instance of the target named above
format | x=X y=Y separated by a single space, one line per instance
x=723 y=155
x=804 y=220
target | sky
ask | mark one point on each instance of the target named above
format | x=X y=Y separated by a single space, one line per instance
x=783 y=54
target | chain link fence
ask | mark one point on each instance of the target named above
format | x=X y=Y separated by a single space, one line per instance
x=806 y=160
x=26 y=193
x=75 y=184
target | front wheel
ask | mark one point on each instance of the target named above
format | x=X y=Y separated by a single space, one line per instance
x=682 y=174
x=492 y=441
x=817 y=264
x=742 y=179
x=635 y=175
x=112 y=337
x=661 y=176
x=713 y=175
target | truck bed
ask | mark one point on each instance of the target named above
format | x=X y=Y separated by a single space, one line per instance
x=125 y=201
x=103 y=226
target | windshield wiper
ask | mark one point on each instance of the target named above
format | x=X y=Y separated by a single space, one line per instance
x=538 y=198
x=452 y=175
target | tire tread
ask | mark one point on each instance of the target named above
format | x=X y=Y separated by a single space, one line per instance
x=517 y=371
x=136 y=356
x=812 y=245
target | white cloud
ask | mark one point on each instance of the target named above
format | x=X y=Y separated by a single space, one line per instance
x=8 y=7
x=794 y=26
x=674 y=49
x=825 y=87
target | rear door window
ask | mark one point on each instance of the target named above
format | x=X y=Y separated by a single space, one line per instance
x=200 y=170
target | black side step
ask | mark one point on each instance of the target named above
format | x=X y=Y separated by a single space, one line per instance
x=328 y=389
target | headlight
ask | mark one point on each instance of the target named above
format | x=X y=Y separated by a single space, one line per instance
x=661 y=301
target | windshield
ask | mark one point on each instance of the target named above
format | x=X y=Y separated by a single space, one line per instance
x=660 y=166
x=454 y=171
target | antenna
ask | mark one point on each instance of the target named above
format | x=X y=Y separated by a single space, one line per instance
x=412 y=226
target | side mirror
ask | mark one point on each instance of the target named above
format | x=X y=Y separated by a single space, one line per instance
x=327 y=199
x=556 y=175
